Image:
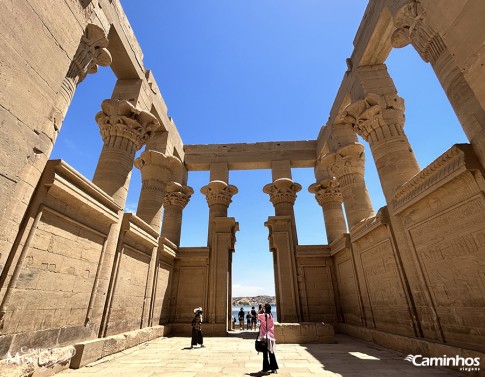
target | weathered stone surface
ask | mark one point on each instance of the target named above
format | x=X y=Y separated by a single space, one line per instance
x=305 y=332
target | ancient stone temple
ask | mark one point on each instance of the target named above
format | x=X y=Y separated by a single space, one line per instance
x=409 y=276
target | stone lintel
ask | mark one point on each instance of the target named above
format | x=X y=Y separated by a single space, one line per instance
x=193 y=252
x=241 y=156
x=312 y=251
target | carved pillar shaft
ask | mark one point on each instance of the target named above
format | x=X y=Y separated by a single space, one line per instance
x=380 y=121
x=347 y=164
x=156 y=170
x=124 y=130
x=328 y=195
x=176 y=198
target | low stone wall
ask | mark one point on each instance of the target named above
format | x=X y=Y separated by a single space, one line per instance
x=303 y=333
x=92 y=350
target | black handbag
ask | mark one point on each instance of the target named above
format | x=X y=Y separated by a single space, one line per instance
x=261 y=345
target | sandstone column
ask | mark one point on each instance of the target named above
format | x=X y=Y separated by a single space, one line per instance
x=176 y=198
x=218 y=195
x=157 y=169
x=124 y=130
x=283 y=239
x=414 y=28
x=220 y=234
x=328 y=195
x=379 y=119
x=347 y=164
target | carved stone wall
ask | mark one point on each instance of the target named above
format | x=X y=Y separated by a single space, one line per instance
x=442 y=211
x=348 y=288
x=316 y=284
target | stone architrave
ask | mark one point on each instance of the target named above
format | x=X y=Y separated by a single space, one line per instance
x=218 y=195
x=328 y=195
x=348 y=166
x=412 y=27
x=157 y=169
x=91 y=53
x=177 y=196
x=124 y=130
x=379 y=119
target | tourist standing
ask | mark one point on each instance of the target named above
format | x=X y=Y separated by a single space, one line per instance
x=197 y=337
x=266 y=331
x=240 y=317
x=253 y=318
x=248 y=321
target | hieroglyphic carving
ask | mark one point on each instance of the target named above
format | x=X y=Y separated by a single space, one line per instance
x=451 y=248
x=452 y=221
x=382 y=276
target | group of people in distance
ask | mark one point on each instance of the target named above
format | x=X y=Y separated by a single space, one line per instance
x=266 y=333
x=251 y=319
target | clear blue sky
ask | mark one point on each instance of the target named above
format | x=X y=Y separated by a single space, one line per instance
x=247 y=71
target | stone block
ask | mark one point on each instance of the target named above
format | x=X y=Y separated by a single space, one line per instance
x=70 y=335
x=5 y=343
x=35 y=339
x=87 y=352
x=133 y=338
x=304 y=333
x=114 y=344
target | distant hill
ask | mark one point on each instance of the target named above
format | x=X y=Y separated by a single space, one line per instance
x=253 y=301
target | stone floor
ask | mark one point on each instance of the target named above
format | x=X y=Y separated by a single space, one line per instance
x=235 y=356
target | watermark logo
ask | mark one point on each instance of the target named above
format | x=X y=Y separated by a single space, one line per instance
x=43 y=357
x=466 y=364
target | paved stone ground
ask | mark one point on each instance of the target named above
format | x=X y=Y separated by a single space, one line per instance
x=235 y=356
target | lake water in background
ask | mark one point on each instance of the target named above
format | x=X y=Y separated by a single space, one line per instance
x=235 y=311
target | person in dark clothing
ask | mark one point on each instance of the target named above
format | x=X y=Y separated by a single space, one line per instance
x=197 y=337
x=254 y=319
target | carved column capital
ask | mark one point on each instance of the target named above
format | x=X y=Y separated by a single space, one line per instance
x=349 y=159
x=326 y=191
x=412 y=27
x=376 y=117
x=219 y=192
x=177 y=195
x=282 y=190
x=92 y=51
x=157 y=166
x=120 y=119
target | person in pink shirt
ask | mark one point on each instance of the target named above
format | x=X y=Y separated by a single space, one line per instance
x=266 y=331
